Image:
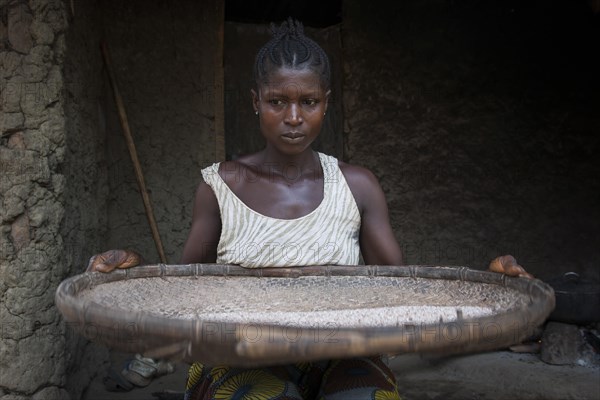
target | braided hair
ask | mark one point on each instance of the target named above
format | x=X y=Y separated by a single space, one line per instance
x=290 y=48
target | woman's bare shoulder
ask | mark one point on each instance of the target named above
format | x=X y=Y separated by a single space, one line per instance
x=236 y=172
x=357 y=175
x=362 y=182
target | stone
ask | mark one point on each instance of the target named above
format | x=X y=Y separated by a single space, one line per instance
x=38 y=216
x=55 y=84
x=10 y=275
x=9 y=62
x=33 y=103
x=45 y=213
x=53 y=129
x=53 y=12
x=21 y=166
x=39 y=55
x=11 y=94
x=58 y=183
x=20 y=232
x=559 y=343
x=564 y=344
x=13 y=204
x=19 y=37
x=16 y=141
x=42 y=33
x=11 y=121
x=33 y=72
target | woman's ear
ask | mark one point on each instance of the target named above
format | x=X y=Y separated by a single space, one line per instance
x=255 y=100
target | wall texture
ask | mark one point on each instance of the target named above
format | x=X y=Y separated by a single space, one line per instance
x=67 y=189
x=50 y=212
x=163 y=59
x=481 y=121
x=84 y=225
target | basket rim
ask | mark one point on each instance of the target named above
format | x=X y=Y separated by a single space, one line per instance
x=188 y=340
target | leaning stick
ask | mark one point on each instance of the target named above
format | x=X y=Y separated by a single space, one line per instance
x=133 y=154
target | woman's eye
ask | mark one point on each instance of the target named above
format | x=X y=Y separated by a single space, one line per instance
x=276 y=102
x=310 y=102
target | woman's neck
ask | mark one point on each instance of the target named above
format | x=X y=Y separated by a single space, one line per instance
x=303 y=163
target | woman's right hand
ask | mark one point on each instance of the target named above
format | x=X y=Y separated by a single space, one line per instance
x=112 y=259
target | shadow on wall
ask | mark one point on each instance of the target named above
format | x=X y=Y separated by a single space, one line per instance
x=480 y=120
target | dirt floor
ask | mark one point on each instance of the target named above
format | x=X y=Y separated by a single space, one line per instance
x=494 y=375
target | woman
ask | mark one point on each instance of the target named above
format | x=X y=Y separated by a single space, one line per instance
x=288 y=205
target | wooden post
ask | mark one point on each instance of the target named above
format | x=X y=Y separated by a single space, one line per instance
x=219 y=83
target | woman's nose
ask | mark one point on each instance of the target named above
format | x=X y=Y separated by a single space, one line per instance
x=293 y=115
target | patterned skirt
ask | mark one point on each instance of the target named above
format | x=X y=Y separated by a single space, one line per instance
x=352 y=379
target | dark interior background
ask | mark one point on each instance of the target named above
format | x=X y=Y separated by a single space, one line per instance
x=481 y=120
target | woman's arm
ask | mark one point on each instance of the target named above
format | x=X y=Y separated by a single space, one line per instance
x=378 y=244
x=377 y=241
x=202 y=241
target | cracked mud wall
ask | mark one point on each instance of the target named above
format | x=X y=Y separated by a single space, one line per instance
x=481 y=121
x=68 y=189
x=50 y=216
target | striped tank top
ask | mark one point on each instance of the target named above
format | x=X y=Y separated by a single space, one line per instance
x=328 y=235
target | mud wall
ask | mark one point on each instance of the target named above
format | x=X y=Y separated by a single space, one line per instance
x=52 y=211
x=481 y=121
x=68 y=189
x=163 y=55
x=85 y=168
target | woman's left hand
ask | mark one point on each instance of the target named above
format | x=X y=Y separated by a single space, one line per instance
x=508 y=265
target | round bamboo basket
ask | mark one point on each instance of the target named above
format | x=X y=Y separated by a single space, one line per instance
x=229 y=315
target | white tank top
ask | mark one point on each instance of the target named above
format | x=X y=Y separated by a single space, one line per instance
x=328 y=235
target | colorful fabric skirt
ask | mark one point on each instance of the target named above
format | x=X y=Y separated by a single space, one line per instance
x=352 y=379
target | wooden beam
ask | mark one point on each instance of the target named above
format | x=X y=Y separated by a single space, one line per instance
x=219 y=83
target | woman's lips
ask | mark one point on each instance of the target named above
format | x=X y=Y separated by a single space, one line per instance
x=293 y=137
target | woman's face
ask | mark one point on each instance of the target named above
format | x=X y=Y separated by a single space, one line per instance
x=291 y=108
